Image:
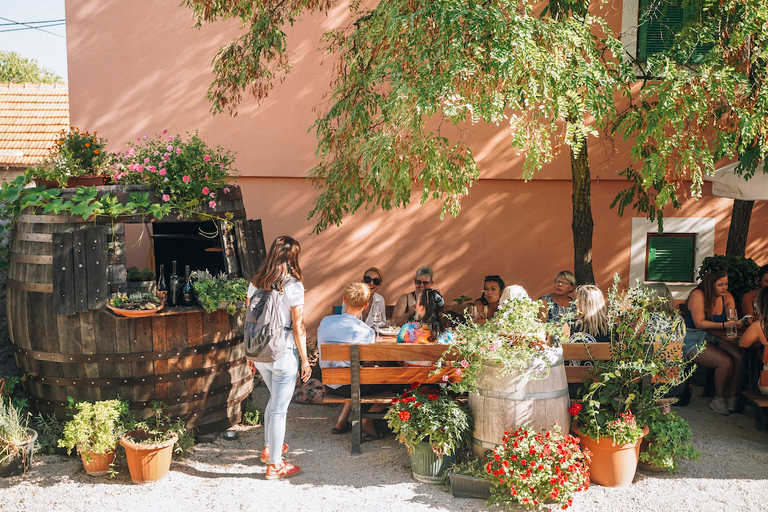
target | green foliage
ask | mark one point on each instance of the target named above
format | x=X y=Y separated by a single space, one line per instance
x=49 y=431
x=74 y=154
x=615 y=387
x=742 y=273
x=431 y=416
x=669 y=440
x=159 y=428
x=13 y=429
x=688 y=117
x=16 y=69
x=9 y=391
x=252 y=415
x=462 y=299
x=211 y=291
x=96 y=427
x=137 y=274
x=135 y=301
x=514 y=340
x=185 y=171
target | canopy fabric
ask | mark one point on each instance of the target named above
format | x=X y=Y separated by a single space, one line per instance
x=726 y=183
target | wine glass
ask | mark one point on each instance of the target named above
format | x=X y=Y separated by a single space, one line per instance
x=732 y=317
x=377 y=318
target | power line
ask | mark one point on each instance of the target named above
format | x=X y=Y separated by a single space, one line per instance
x=29 y=27
x=30 y=22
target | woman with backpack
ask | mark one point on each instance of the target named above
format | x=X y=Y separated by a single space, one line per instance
x=280 y=272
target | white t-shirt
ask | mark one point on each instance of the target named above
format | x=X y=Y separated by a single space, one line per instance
x=293 y=296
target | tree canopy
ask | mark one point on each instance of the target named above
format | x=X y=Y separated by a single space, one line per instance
x=19 y=70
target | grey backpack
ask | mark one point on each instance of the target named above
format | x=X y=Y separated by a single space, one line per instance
x=265 y=336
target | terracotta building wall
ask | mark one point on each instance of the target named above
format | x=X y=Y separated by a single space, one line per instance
x=139 y=67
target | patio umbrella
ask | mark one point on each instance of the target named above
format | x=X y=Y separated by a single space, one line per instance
x=726 y=183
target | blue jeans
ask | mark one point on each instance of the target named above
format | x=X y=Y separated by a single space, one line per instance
x=280 y=378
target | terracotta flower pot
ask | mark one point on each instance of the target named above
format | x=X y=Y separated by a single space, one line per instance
x=613 y=465
x=147 y=462
x=97 y=464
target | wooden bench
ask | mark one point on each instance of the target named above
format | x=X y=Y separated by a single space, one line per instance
x=357 y=375
x=759 y=400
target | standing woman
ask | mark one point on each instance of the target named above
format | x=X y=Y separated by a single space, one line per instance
x=488 y=303
x=405 y=308
x=706 y=309
x=281 y=270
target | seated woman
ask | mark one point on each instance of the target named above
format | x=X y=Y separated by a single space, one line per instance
x=663 y=311
x=757 y=333
x=591 y=315
x=487 y=305
x=431 y=326
x=512 y=292
x=559 y=302
x=750 y=298
x=405 y=307
x=706 y=309
x=375 y=310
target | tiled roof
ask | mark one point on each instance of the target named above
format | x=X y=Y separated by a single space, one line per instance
x=31 y=116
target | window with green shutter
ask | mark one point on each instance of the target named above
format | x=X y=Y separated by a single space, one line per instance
x=659 y=21
x=670 y=257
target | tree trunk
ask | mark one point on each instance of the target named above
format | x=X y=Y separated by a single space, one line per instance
x=582 y=217
x=737 y=234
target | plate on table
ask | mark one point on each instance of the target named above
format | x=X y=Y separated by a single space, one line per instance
x=389 y=331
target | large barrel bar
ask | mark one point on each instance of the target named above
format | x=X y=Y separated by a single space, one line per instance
x=191 y=360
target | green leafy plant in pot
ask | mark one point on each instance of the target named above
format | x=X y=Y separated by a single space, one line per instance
x=17 y=440
x=75 y=154
x=94 y=431
x=432 y=425
x=219 y=292
x=668 y=441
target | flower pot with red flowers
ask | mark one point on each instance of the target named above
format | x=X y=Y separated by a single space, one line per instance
x=533 y=468
x=433 y=426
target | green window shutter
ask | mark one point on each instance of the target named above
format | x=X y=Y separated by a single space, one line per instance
x=658 y=23
x=670 y=257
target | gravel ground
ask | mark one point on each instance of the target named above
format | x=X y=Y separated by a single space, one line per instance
x=227 y=475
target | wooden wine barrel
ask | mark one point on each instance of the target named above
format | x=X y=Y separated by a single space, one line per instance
x=505 y=401
x=61 y=271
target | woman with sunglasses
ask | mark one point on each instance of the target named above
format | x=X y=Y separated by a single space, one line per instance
x=375 y=312
x=487 y=305
x=405 y=308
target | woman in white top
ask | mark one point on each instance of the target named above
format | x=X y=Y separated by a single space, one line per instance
x=405 y=308
x=375 y=312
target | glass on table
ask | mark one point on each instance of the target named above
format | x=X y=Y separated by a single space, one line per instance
x=732 y=330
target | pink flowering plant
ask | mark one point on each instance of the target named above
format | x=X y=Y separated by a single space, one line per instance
x=533 y=467
x=185 y=172
x=513 y=340
x=430 y=415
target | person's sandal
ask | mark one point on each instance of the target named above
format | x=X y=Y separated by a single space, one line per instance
x=285 y=470
x=265 y=453
x=346 y=428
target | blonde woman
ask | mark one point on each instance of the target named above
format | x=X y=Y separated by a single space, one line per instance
x=591 y=313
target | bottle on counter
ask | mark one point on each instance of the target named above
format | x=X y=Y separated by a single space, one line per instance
x=173 y=287
x=162 y=288
x=186 y=290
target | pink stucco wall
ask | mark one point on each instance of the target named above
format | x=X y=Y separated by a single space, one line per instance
x=139 y=67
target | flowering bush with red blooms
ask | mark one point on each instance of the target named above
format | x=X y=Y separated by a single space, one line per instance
x=531 y=467
x=185 y=172
x=430 y=415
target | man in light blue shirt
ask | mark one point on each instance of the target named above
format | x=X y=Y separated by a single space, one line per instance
x=348 y=328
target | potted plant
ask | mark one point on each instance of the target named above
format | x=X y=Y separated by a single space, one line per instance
x=17 y=440
x=433 y=426
x=219 y=292
x=76 y=158
x=468 y=477
x=149 y=445
x=512 y=374
x=136 y=304
x=141 y=279
x=537 y=467
x=667 y=443
x=95 y=430
x=618 y=391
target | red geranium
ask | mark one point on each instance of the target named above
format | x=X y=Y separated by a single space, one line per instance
x=405 y=415
x=575 y=408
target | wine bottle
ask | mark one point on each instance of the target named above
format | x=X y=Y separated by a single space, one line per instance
x=173 y=287
x=162 y=289
x=186 y=290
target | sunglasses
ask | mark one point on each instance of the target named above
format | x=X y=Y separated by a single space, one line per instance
x=369 y=280
x=421 y=283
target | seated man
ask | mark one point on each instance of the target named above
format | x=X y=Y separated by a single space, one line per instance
x=348 y=328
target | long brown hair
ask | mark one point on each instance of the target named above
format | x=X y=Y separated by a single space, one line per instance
x=707 y=286
x=762 y=309
x=281 y=261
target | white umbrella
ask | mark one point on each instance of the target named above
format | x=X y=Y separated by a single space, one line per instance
x=726 y=183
